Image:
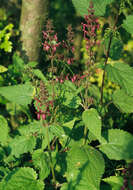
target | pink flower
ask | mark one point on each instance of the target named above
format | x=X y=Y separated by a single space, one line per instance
x=46 y=47
x=38 y=116
x=43 y=116
x=69 y=61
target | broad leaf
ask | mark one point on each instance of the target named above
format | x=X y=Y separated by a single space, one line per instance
x=123 y=101
x=81 y=6
x=21 y=178
x=4 y=129
x=39 y=74
x=41 y=162
x=71 y=100
x=85 y=167
x=19 y=94
x=121 y=74
x=92 y=121
x=99 y=6
x=128 y=24
x=22 y=144
x=35 y=127
x=116 y=182
x=115 y=48
x=117 y=145
x=3 y=69
x=32 y=64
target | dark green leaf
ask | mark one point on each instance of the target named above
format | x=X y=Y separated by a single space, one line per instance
x=117 y=145
x=92 y=121
x=22 y=178
x=85 y=167
x=19 y=94
x=128 y=24
x=123 y=101
x=121 y=74
x=41 y=162
x=22 y=144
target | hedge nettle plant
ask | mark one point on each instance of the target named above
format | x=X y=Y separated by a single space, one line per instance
x=70 y=143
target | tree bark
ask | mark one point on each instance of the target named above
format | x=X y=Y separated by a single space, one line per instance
x=33 y=15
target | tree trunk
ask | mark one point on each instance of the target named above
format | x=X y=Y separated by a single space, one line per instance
x=33 y=15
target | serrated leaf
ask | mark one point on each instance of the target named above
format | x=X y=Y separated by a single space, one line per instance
x=117 y=145
x=85 y=167
x=3 y=69
x=121 y=74
x=32 y=128
x=128 y=24
x=116 y=182
x=19 y=94
x=4 y=130
x=81 y=6
x=39 y=74
x=71 y=100
x=22 y=178
x=92 y=121
x=41 y=162
x=94 y=92
x=32 y=64
x=115 y=48
x=99 y=6
x=123 y=101
x=22 y=144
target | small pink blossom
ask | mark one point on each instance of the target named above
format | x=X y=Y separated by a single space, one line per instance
x=38 y=116
x=43 y=116
x=69 y=61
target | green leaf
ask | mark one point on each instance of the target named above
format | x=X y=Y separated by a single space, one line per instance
x=22 y=178
x=121 y=74
x=41 y=162
x=123 y=101
x=71 y=100
x=116 y=182
x=117 y=145
x=4 y=130
x=99 y=6
x=94 y=91
x=3 y=69
x=22 y=144
x=85 y=167
x=35 y=127
x=32 y=64
x=19 y=94
x=92 y=121
x=128 y=24
x=81 y=6
x=115 y=48
x=39 y=74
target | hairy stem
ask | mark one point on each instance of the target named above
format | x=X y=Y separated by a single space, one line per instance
x=50 y=156
x=106 y=60
x=85 y=133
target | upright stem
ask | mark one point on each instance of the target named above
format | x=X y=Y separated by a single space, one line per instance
x=50 y=156
x=85 y=133
x=106 y=60
x=105 y=63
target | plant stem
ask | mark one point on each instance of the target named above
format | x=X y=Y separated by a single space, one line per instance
x=85 y=133
x=105 y=63
x=50 y=156
x=106 y=60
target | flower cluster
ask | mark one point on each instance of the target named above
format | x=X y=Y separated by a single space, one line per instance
x=50 y=39
x=42 y=104
x=89 y=29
